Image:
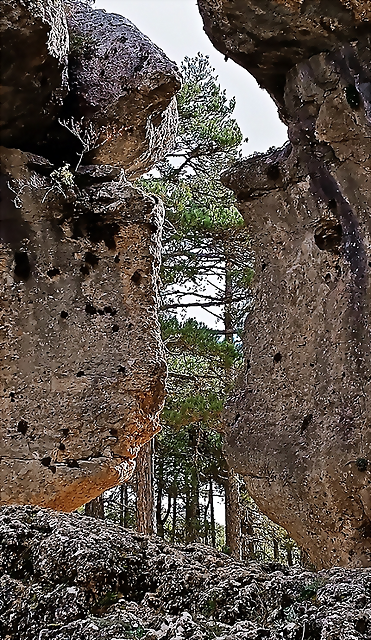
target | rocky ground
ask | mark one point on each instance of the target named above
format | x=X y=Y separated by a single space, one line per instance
x=69 y=577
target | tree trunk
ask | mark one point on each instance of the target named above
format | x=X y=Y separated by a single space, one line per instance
x=174 y=514
x=290 y=560
x=160 y=487
x=192 y=523
x=122 y=505
x=233 y=515
x=276 y=549
x=95 y=508
x=145 y=497
x=212 y=514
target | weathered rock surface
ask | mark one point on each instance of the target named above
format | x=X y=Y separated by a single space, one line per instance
x=82 y=368
x=124 y=85
x=300 y=427
x=34 y=70
x=99 y=74
x=269 y=37
x=68 y=577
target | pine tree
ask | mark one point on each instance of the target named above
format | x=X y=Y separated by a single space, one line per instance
x=207 y=265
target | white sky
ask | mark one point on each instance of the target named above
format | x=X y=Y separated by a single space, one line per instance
x=176 y=27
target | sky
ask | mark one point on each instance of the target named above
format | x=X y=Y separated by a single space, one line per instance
x=176 y=27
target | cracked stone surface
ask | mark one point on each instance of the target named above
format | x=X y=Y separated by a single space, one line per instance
x=299 y=427
x=69 y=577
x=82 y=368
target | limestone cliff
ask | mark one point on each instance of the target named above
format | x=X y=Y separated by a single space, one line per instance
x=300 y=426
x=82 y=366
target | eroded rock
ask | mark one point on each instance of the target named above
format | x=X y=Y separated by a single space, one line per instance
x=82 y=366
x=124 y=86
x=69 y=577
x=299 y=428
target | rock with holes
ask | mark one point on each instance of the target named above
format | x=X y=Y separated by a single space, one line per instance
x=69 y=577
x=299 y=428
x=122 y=92
x=82 y=368
x=34 y=76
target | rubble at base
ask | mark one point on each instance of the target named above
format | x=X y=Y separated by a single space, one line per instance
x=69 y=577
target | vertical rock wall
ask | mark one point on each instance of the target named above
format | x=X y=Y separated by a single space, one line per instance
x=82 y=369
x=300 y=426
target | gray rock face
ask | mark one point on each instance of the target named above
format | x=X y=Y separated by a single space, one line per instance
x=98 y=72
x=34 y=72
x=82 y=367
x=68 y=577
x=269 y=37
x=299 y=427
x=124 y=85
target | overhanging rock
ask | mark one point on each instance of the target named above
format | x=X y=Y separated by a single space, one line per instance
x=300 y=426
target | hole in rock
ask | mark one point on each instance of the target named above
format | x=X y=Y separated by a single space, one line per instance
x=85 y=269
x=90 y=309
x=64 y=315
x=332 y=204
x=277 y=358
x=22 y=427
x=101 y=312
x=62 y=447
x=328 y=236
x=65 y=432
x=136 y=277
x=117 y=259
x=46 y=461
x=91 y=259
x=80 y=374
x=53 y=273
x=12 y=396
x=273 y=172
x=353 y=97
x=264 y=266
x=110 y=311
x=122 y=369
x=362 y=464
x=52 y=468
x=115 y=328
x=113 y=432
x=73 y=464
x=22 y=268
x=306 y=422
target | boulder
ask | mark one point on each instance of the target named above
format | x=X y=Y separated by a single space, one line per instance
x=82 y=366
x=34 y=70
x=123 y=86
x=299 y=426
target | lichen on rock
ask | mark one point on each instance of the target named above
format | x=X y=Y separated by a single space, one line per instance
x=69 y=577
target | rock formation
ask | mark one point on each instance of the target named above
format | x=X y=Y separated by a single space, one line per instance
x=299 y=429
x=82 y=367
x=69 y=577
